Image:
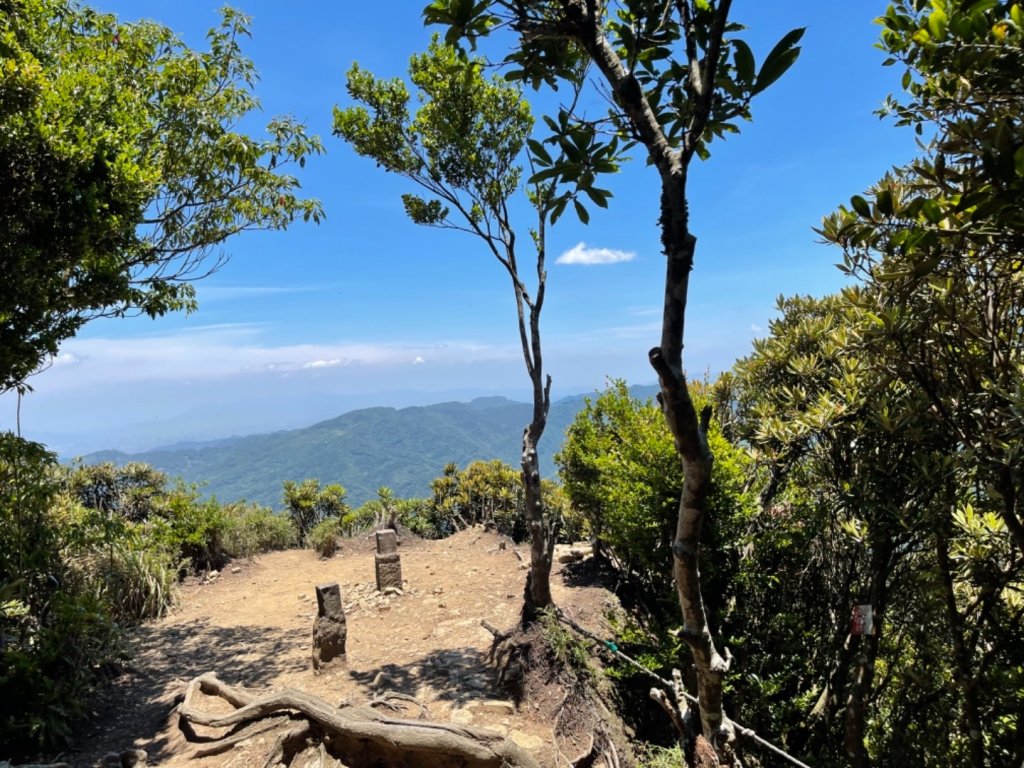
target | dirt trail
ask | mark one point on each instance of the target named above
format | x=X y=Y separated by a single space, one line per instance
x=252 y=626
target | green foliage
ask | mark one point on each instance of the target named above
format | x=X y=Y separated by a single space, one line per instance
x=570 y=652
x=190 y=529
x=128 y=491
x=488 y=493
x=649 y=53
x=362 y=519
x=133 y=579
x=621 y=474
x=308 y=504
x=461 y=145
x=660 y=757
x=122 y=171
x=50 y=669
x=254 y=529
x=56 y=638
x=323 y=537
x=937 y=245
x=867 y=501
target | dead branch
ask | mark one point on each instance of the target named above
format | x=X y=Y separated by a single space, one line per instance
x=361 y=735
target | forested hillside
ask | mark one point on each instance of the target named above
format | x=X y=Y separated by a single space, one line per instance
x=403 y=449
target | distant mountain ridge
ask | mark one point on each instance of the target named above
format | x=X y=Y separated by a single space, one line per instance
x=364 y=449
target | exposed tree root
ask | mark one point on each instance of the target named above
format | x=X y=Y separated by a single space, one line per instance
x=567 y=697
x=356 y=735
x=216 y=746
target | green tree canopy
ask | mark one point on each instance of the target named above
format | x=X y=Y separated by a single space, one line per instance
x=940 y=241
x=123 y=170
x=308 y=503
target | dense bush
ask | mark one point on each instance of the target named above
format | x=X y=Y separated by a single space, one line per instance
x=622 y=477
x=323 y=537
x=308 y=503
x=253 y=529
x=57 y=635
x=487 y=492
x=84 y=550
x=190 y=529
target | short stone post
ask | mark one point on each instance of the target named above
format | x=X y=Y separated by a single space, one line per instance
x=329 y=630
x=387 y=561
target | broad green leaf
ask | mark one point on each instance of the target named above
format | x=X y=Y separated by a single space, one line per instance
x=539 y=151
x=885 y=202
x=938 y=21
x=744 y=58
x=861 y=206
x=779 y=59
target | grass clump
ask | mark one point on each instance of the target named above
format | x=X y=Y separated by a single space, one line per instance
x=571 y=653
x=661 y=757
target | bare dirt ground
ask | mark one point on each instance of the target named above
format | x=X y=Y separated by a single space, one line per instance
x=252 y=626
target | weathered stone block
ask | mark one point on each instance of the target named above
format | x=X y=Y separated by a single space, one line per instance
x=389 y=571
x=329 y=629
x=387 y=542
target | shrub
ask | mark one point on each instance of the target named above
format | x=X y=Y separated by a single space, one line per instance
x=307 y=503
x=189 y=530
x=55 y=638
x=134 y=581
x=621 y=474
x=253 y=529
x=51 y=668
x=323 y=537
x=362 y=519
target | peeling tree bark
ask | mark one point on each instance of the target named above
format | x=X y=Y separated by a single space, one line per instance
x=537 y=594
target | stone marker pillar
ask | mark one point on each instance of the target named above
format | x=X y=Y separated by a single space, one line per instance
x=389 y=566
x=329 y=630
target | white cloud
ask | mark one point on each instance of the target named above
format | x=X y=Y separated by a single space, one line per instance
x=217 y=354
x=323 y=363
x=756 y=328
x=580 y=254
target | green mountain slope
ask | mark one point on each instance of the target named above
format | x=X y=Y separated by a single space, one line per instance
x=364 y=449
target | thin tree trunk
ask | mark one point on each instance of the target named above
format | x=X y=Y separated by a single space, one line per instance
x=862 y=683
x=542 y=531
x=961 y=655
x=1008 y=504
x=538 y=583
x=688 y=429
x=690 y=433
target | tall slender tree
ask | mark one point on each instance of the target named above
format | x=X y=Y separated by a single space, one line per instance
x=463 y=148
x=677 y=77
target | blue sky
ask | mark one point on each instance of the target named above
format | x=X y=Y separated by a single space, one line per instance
x=368 y=309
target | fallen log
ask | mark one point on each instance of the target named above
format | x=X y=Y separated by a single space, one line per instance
x=361 y=735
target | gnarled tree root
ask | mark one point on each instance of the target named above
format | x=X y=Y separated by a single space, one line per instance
x=361 y=735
